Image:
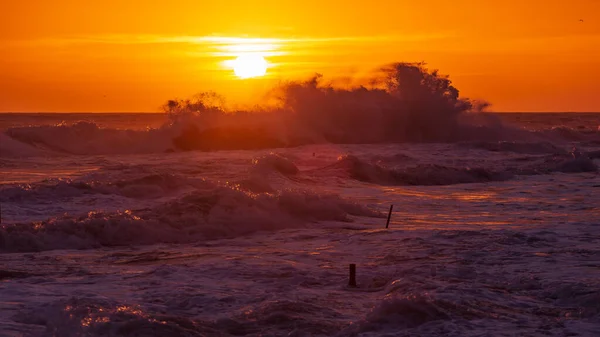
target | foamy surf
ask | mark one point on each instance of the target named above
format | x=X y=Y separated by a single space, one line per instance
x=486 y=237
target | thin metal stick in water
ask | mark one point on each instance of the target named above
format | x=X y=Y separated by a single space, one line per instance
x=389 y=216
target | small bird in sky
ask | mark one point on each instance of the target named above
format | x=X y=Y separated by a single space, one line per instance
x=580 y=20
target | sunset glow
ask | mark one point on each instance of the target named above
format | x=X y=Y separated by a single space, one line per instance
x=111 y=56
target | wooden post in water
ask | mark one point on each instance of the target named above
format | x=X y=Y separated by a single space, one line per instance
x=352 y=278
x=389 y=216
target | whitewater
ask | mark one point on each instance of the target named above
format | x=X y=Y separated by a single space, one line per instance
x=108 y=229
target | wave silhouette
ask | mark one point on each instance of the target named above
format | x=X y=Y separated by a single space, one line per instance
x=405 y=102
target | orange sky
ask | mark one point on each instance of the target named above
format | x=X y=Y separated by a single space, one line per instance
x=73 y=55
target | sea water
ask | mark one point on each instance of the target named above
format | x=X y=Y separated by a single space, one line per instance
x=106 y=231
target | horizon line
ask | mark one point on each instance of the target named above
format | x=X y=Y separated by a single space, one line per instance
x=162 y=113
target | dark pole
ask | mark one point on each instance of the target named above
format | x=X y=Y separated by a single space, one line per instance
x=389 y=216
x=352 y=279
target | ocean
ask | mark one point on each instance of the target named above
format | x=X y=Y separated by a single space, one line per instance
x=107 y=229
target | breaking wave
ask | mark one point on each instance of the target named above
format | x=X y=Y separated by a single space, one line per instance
x=434 y=174
x=206 y=213
x=518 y=147
x=275 y=162
x=405 y=102
x=419 y=175
x=77 y=316
x=404 y=312
x=149 y=186
x=84 y=138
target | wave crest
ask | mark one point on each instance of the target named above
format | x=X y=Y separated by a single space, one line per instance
x=404 y=102
x=518 y=147
x=418 y=175
x=350 y=166
x=149 y=186
x=275 y=162
x=85 y=138
x=209 y=213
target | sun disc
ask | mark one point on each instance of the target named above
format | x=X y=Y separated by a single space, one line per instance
x=250 y=65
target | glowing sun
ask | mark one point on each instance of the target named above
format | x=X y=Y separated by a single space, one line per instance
x=250 y=65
